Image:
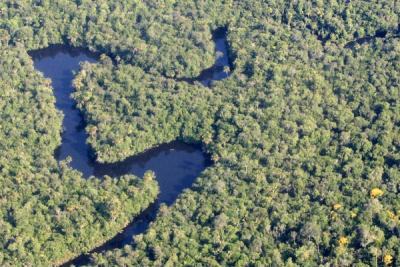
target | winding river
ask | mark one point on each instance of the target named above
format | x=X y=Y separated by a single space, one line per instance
x=175 y=164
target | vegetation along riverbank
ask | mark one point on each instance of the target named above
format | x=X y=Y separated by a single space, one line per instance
x=304 y=132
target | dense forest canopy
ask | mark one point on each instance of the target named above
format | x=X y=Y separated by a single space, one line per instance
x=49 y=212
x=304 y=135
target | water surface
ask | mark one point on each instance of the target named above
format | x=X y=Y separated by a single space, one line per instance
x=176 y=164
x=222 y=67
x=379 y=34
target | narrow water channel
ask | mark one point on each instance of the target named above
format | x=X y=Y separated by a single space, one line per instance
x=222 y=67
x=380 y=34
x=176 y=164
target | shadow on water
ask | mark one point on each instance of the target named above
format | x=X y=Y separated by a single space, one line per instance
x=175 y=164
x=222 y=67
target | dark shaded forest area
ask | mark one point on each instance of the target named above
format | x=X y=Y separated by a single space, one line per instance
x=304 y=134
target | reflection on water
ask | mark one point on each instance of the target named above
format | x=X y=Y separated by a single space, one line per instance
x=222 y=67
x=176 y=164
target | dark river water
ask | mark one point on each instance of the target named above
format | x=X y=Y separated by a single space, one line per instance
x=222 y=67
x=175 y=164
x=379 y=34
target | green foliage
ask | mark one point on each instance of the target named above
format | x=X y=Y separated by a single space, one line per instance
x=129 y=29
x=129 y=111
x=49 y=212
x=302 y=124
